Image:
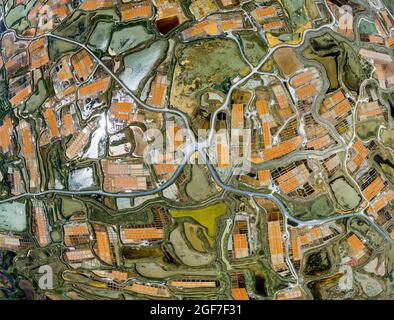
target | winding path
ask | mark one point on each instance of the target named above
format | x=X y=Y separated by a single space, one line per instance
x=201 y=146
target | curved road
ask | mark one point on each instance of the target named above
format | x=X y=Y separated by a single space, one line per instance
x=194 y=146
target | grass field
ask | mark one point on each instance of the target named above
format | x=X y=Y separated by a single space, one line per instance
x=253 y=47
x=199 y=188
x=347 y=197
x=71 y=206
x=191 y=233
x=101 y=35
x=329 y=63
x=369 y=128
x=321 y=207
x=367 y=27
x=287 y=61
x=206 y=216
x=311 y=8
x=296 y=11
x=388 y=137
x=201 y=66
x=185 y=254
x=37 y=99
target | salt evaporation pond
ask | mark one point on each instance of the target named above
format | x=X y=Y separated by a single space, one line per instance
x=13 y=216
x=81 y=179
x=138 y=64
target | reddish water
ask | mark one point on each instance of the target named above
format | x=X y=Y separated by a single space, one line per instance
x=167 y=24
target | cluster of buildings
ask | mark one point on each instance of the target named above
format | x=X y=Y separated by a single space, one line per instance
x=271 y=18
x=40 y=225
x=384 y=67
x=15 y=59
x=125 y=176
x=344 y=16
x=44 y=16
x=306 y=238
x=214 y=25
x=358 y=252
x=14 y=242
x=384 y=24
x=275 y=231
x=381 y=208
x=294 y=179
x=305 y=85
x=157 y=95
x=337 y=109
x=291 y=293
x=146 y=234
x=78 y=235
x=241 y=243
x=130 y=11
x=238 y=286
x=28 y=151
x=6 y=135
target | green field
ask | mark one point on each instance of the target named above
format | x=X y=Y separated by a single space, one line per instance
x=368 y=129
x=344 y=193
x=101 y=35
x=296 y=11
x=387 y=137
x=367 y=27
x=205 y=216
x=201 y=66
x=254 y=47
x=318 y=208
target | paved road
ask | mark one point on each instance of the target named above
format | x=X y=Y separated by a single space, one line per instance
x=284 y=210
x=103 y=193
x=193 y=146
